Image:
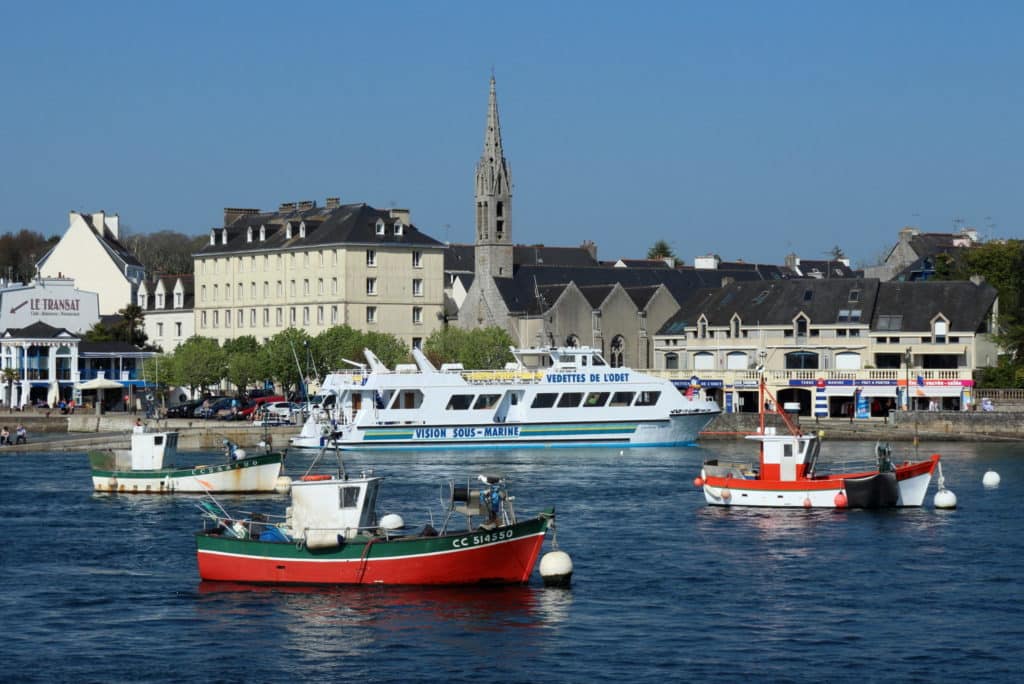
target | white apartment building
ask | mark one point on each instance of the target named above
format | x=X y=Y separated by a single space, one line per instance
x=90 y=253
x=313 y=268
x=168 y=304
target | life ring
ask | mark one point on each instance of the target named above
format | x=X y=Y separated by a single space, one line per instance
x=315 y=478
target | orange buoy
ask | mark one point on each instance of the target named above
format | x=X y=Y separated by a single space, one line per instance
x=726 y=494
x=315 y=478
x=840 y=499
x=698 y=482
x=807 y=502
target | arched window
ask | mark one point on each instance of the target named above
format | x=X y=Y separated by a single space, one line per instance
x=847 y=361
x=734 y=327
x=800 y=326
x=703 y=361
x=288 y=231
x=671 y=361
x=248 y=234
x=736 y=361
x=801 y=360
x=618 y=350
x=263 y=233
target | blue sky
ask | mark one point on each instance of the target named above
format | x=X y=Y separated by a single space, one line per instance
x=749 y=130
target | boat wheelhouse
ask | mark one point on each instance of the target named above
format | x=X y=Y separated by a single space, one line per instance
x=552 y=396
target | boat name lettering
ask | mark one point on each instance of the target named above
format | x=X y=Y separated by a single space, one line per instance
x=585 y=377
x=478 y=539
x=430 y=433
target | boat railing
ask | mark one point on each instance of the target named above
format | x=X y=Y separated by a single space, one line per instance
x=491 y=377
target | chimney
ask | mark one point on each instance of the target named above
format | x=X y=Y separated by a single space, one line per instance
x=287 y=207
x=97 y=222
x=232 y=214
x=591 y=248
x=306 y=205
x=400 y=214
x=112 y=223
x=333 y=202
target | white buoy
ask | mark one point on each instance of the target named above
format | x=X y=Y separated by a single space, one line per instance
x=945 y=499
x=283 y=484
x=239 y=454
x=556 y=569
x=392 y=521
x=990 y=479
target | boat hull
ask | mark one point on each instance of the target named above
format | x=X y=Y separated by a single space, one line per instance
x=505 y=555
x=678 y=430
x=252 y=474
x=912 y=482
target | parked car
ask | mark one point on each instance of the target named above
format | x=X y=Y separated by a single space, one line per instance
x=184 y=409
x=211 y=407
x=279 y=411
x=254 y=406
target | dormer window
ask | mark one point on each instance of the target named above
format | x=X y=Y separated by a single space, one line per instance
x=224 y=236
x=734 y=327
x=159 y=300
x=702 y=328
x=263 y=233
x=940 y=328
x=302 y=229
x=854 y=296
x=142 y=299
x=213 y=236
x=288 y=231
x=248 y=234
x=399 y=228
x=380 y=226
x=800 y=326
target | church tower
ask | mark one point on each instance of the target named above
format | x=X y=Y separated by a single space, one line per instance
x=493 y=201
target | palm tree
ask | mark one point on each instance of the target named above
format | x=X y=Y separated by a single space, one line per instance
x=133 y=316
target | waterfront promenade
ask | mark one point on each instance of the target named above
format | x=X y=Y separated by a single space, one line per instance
x=82 y=432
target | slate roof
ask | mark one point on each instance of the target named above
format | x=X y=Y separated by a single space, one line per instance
x=824 y=268
x=462 y=258
x=518 y=292
x=114 y=248
x=776 y=303
x=965 y=304
x=345 y=224
x=38 y=331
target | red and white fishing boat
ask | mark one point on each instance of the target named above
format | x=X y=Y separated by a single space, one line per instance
x=331 y=535
x=788 y=474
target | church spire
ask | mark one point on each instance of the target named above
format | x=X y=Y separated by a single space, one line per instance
x=493 y=200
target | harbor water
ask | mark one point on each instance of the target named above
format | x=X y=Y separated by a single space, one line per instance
x=104 y=588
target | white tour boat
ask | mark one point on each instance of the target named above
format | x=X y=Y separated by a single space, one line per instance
x=555 y=396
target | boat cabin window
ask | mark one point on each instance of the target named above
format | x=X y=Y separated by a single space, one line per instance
x=595 y=399
x=408 y=399
x=328 y=401
x=787 y=450
x=544 y=400
x=622 y=399
x=648 y=398
x=158 y=440
x=348 y=497
x=486 y=401
x=460 y=402
x=570 y=400
x=596 y=360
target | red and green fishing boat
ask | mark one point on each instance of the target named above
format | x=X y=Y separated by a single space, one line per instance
x=331 y=534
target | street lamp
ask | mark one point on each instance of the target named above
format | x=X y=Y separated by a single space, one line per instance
x=907 y=357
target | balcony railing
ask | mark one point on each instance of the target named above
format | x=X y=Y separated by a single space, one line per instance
x=784 y=376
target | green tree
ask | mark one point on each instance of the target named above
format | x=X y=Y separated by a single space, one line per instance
x=131 y=328
x=1001 y=263
x=198 y=362
x=243 y=369
x=661 y=250
x=482 y=348
x=334 y=345
x=245 y=344
x=280 y=354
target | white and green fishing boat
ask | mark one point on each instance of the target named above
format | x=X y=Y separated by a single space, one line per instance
x=141 y=469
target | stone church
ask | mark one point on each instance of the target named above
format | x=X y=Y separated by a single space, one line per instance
x=558 y=296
